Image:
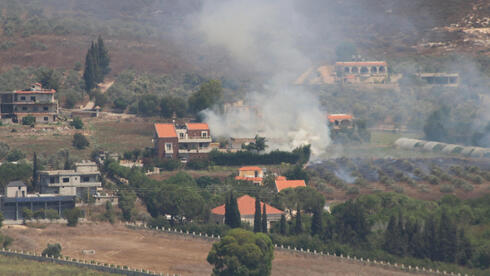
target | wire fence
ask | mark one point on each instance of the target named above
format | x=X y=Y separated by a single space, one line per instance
x=90 y=264
x=307 y=252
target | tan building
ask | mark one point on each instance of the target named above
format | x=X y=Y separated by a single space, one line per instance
x=361 y=72
x=249 y=173
x=442 y=79
x=84 y=179
x=35 y=101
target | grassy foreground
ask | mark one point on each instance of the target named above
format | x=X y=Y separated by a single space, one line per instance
x=16 y=266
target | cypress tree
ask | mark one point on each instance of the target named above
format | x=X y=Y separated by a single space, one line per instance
x=227 y=210
x=67 y=164
x=464 y=248
x=391 y=236
x=89 y=71
x=234 y=216
x=430 y=239
x=257 y=217
x=401 y=245
x=264 y=220
x=316 y=222
x=34 y=172
x=447 y=239
x=283 y=225
x=298 y=229
x=103 y=57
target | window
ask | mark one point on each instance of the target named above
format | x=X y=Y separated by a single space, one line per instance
x=85 y=179
x=45 y=108
x=52 y=179
x=22 y=98
x=181 y=135
x=168 y=146
x=46 y=118
x=24 y=108
x=66 y=179
x=34 y=108
x=33 y=98
x=204 y=134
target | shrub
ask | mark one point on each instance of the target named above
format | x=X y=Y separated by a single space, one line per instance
x=433 y=180
x=398 y=189
x=29 y=120
x=197 y=164
x=27 y=213
x=52 y=214
x=39 y=214
x=446 y=189
x=361 y=182
x=77 y=123
x=352 y=190
x=386 y=180
x=467 y=187
x=80 y=141
x=168 y=164
x=15 y=155
x=476 y=179
x=52 y=250
x=72 y=216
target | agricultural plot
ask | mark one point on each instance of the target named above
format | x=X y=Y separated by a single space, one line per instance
x=423 y=178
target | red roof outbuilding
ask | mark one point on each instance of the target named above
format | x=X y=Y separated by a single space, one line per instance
x=284 y=184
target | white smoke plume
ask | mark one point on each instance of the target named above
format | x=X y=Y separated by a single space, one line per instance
x=264 y=35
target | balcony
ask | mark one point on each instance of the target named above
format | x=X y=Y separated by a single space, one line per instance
x=201 y=150
x=195 y=140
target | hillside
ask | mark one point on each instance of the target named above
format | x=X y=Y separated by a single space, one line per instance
x=157 y=36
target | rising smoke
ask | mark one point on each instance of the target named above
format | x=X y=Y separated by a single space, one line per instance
x=263 y=35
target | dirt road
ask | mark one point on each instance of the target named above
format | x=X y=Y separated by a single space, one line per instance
x=165 y=252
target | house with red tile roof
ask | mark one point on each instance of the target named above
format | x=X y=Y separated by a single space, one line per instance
x=251 y=173
x=246 y=207
x=338 y=121
x=34 y=101
x=282 y=184
x=192 y=140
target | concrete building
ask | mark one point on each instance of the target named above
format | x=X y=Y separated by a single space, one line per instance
x=191 y=140
x=442 y=79
x=246 y=207
x=16 y=198
x=35 y=101
x=361 y=72
x=249 y=173
x=84 y=179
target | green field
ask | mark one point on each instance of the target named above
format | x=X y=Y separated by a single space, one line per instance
x=10 y=266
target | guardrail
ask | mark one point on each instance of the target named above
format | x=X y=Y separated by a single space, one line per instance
x=90 y=264
x=307 y=252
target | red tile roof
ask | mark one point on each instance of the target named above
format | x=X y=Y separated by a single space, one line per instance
x=250 y=168
x=197 y=126
x=246 y=206
x=165 y=131
x=284 y=184
x=339 y=117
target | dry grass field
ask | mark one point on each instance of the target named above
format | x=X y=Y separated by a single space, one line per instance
x=12 y=266
x=165 y=252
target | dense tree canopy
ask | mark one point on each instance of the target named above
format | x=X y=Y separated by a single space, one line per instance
x=242 y=253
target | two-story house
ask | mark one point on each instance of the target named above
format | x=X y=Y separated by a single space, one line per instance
x=35 y=101
x=191 y=140
x=85 y=179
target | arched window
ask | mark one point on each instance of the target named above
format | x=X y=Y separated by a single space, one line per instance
x=374 y=70
x=364 y=70
x=346 y=70
x=354 y=70
x=381 y=69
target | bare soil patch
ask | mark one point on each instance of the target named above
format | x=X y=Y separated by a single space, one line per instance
x=163 y=252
